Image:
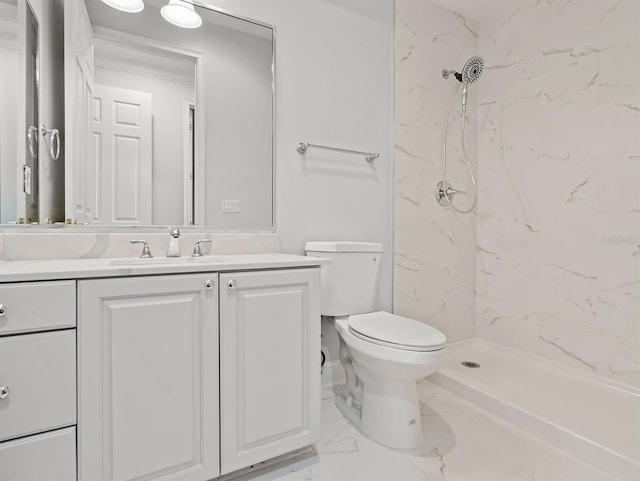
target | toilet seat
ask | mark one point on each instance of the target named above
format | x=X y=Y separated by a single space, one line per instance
x=390 y=330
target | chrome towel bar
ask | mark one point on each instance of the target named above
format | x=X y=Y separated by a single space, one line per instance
x=369 y=156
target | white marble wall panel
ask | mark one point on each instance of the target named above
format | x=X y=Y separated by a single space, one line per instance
x=434 y=279
x=15 y=246
x=558 y=228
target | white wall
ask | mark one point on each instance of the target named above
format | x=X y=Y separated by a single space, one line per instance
x=435 y=247
x=238 y=130
x=334 y=86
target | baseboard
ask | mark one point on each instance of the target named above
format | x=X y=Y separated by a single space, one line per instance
x=332 y=375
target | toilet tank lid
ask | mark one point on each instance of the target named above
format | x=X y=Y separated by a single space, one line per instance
x=343 y=246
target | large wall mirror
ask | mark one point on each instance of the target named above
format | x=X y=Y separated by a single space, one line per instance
x=162 y=125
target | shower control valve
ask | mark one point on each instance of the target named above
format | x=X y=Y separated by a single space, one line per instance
x=443 y=198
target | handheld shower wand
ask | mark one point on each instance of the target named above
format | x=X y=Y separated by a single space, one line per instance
x=471 y=72
x=464 y=97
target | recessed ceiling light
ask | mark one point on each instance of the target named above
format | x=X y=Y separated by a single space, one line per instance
x=129 y=6
x=181 y=14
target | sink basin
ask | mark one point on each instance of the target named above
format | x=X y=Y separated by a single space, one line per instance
x=154 y=261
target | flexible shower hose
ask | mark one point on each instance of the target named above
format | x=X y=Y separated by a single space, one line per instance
x=464 y=154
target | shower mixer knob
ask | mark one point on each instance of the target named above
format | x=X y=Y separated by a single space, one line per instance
x=443 y=198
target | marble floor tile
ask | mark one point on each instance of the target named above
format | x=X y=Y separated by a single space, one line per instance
x=462 y=443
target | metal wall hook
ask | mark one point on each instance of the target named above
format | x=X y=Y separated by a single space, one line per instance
x=55 y=140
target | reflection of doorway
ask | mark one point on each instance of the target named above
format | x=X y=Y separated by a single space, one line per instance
x=122 y=130
x=189 y=160
x=169 y=76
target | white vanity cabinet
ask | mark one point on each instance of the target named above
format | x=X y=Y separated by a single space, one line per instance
x=148 y=378
x=126 y=374
x=269 y=364
x=37 y=381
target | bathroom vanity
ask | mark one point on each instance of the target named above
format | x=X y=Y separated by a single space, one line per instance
x=184 y=368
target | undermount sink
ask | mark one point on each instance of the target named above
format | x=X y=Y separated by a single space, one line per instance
x=152 y=261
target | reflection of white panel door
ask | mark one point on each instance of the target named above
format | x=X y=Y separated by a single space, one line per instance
x=123 y=136
x=81 y=176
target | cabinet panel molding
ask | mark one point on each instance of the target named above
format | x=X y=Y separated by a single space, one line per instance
x=39 y=372
x=37 y=306
x=50 y=456
x=148 y=388
x=270 y=382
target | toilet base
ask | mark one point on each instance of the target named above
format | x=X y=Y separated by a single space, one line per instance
x=389 y=415
x=348 y=409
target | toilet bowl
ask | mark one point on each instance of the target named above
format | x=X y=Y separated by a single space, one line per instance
x=383 y=354
x=387 y=371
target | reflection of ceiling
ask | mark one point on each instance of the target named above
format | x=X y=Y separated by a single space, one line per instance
x=8 y=23
x=143 y=59
x=100 y=14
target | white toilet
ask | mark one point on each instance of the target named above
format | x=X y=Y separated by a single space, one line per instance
x=383 y=354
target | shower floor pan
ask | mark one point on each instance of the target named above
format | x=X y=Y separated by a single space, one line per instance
x=589 y=417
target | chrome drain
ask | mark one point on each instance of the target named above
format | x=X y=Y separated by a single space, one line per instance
x=470 y=364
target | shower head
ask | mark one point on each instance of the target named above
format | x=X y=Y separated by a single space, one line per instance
x=472 y=70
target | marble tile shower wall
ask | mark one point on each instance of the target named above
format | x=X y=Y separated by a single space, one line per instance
x=434 y=248
x=551 y=263
x=558 y=229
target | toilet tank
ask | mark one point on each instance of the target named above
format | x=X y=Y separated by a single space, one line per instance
x=349 y=285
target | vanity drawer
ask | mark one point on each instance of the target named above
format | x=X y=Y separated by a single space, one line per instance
x=37 y=306
x=38 y=374
x=50 y=456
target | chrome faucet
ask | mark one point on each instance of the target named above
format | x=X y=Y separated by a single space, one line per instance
x=146 y=252
x=196 y=248
x=174 y=243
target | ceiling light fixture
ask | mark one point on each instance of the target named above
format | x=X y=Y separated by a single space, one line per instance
x=181 y=14
x=128 y=6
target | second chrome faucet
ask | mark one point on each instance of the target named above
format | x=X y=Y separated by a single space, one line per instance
x=174 y=243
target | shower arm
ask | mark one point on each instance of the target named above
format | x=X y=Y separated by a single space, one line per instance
x=457 y=75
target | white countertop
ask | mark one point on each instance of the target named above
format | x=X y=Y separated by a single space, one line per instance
x=39 y=270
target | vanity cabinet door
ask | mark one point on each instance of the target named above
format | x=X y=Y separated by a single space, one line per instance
x=269 y=364
x=148 y=378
